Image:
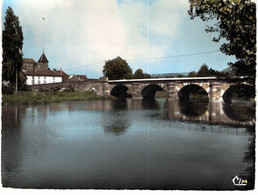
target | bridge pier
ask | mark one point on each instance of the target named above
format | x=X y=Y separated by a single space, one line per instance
x=215 y=92
x=136 y=91
x=172 y=92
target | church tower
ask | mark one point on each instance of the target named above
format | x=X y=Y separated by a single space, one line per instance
x=43 y=62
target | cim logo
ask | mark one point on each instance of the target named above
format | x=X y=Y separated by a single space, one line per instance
x=239 y=182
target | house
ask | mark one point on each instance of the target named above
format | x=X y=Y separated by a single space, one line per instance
x=73 y=78
x=39 y=73
x=64 y=75
x=82 y=78
x=78 y=78
x=28 y=64
x=36 y=77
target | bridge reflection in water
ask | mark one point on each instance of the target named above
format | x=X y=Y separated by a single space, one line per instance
x=200 y=111
x=144 y=145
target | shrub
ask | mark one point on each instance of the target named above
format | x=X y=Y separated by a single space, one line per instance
x=7 y=89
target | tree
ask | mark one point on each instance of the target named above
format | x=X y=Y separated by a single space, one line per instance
x=146 y=75
x=138 y=74
x=117 y=69
x=203 y=71
x=236 y=23
x=12 y=43
x=192 y=74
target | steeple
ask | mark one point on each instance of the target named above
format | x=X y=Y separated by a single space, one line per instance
x=43 y=62
x=43 y=58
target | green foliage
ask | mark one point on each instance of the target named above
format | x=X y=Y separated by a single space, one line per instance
x=12 y=43
x=236 y=23
x=146 y=75
x=50 y=97
x=139 y=74
x=205 y=71
x=117 y=69
x=7 y=89
x=160 y=94
x=192 y=74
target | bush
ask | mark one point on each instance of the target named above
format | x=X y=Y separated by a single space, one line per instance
x=7 y=90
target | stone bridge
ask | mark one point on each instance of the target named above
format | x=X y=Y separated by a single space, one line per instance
x=175 y=88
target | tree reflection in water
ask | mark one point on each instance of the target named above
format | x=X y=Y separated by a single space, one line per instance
x=249 y=157
x=243 y=112
x=35 y=154
x=117 y=127
x=117 y=122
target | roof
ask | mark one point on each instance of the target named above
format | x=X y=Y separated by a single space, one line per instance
x=73 y=78
x=43 y=58
x=29 y=60
x=41 y=73
x=60 y=72
x=82 y=77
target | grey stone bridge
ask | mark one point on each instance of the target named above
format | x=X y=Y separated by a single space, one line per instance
x=175 y=88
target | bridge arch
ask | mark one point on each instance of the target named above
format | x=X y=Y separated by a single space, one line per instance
x=121 y=91
x=192 y=91
x=244 y=91
x=150 y=90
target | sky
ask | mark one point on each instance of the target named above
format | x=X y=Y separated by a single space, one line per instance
x=78 y=36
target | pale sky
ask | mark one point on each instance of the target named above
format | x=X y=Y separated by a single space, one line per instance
x=80 y=35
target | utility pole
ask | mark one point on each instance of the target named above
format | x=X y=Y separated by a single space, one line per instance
x=16 y=82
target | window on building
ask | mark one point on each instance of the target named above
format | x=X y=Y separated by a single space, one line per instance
x=45 y=79
x=54 y=78
x=38 y=79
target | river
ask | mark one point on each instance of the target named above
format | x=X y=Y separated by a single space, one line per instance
x=133 y=144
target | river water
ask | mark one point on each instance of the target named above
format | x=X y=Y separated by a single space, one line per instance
x=133 y=144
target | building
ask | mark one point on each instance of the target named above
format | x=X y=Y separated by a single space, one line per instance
x=39 y=73
x=28 y=64
x=82 y=78
x=73 y=78
x=64 y=75
x=37 y=77
x=78 y=78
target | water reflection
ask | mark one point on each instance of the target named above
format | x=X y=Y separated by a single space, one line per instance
x=14 y=115
x=117 y=122
x=193 y=108
x=249 y=157
x=130 y=144
x=242 y=112
x=211 y=112
x=117 y=126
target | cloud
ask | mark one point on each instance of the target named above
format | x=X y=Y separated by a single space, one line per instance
x=79 y=33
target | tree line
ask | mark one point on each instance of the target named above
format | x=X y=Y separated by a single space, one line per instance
x=118 y=68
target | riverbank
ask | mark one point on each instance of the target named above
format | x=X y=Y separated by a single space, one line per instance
x=50 y=97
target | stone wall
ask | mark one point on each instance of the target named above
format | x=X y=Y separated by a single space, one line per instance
x=100 y=87
x=46 y=87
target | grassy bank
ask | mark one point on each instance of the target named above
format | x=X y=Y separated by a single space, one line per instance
x=50 y=97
